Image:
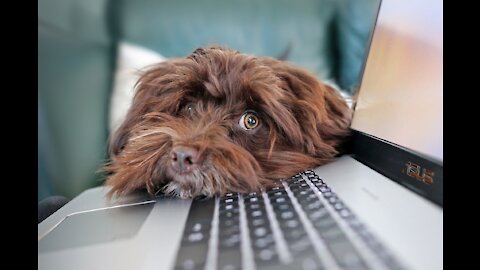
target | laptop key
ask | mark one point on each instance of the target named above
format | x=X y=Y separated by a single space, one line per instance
x=196 y=232
x=230 y=241
x=292 y=235
x=267 y=255
x=191 y=257
x=262 y=242
x=346 y=255
x=226 y=231
x=282 y=207
x=300 y=245
x=306 y=262
x=229 y=259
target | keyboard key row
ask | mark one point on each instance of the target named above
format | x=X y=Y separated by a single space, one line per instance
x=229 y=234
x=327 y=228
x=194 y=245
x=378 y=249
x=261 y=236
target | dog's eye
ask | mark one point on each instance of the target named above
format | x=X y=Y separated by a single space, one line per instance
x=189 y=108
x=249 y=120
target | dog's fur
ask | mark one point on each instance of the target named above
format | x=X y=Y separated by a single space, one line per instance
x=302 y=124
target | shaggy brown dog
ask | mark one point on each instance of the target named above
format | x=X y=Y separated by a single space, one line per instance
x=219 y=121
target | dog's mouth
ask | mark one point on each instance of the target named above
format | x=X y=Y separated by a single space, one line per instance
x=199 y=181
x=184 y=185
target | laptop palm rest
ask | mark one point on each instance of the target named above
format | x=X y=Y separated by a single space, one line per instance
x=95 y=227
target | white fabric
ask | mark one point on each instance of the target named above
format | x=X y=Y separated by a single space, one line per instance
x=130 y=59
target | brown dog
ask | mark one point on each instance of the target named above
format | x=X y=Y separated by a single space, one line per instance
x=219 y=121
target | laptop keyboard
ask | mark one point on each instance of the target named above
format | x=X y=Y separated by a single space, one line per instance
x=301 y=225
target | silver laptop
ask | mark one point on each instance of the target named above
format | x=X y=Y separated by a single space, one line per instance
x=378 y=207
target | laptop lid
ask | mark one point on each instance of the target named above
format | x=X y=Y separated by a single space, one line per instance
x=398 y=118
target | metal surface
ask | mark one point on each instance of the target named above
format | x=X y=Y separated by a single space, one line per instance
x=151 y=244
x=411 y=226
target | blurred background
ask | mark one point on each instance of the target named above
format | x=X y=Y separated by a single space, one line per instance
x=79 y=55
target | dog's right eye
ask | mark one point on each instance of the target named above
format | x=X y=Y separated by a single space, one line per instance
x=189 y=108
x=249 y=120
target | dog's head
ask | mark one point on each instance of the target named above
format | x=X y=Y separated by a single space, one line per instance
x=219 y=121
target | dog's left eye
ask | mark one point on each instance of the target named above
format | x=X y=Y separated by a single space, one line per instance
x=189 y=108
x=249 y=120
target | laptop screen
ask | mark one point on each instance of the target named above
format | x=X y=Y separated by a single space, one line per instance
x=401 y=93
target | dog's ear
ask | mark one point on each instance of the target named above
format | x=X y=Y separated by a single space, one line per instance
x=322 y=113
x=159 y=89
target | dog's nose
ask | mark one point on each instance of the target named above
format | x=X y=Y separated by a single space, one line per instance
x=184 y=159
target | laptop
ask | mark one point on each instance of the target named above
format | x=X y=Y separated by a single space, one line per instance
x=378 y=207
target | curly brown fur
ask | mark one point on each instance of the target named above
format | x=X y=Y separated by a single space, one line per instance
x=196 y=103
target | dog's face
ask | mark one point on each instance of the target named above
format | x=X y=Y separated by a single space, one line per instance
x=219 y=121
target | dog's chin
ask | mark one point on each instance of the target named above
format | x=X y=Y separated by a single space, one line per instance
x=185 y=185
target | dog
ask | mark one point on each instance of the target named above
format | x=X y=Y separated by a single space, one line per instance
x=221 y=121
